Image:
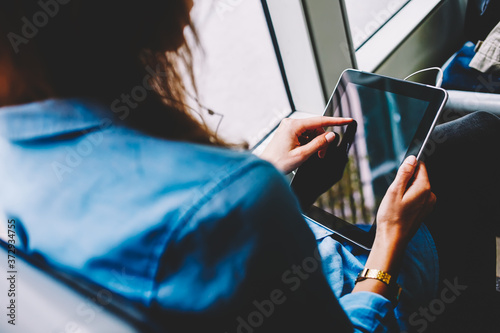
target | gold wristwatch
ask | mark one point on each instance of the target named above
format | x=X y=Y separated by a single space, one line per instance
x=394 y=288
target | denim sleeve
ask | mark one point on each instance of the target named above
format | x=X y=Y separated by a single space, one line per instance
x=369 y=312
x=243 y=260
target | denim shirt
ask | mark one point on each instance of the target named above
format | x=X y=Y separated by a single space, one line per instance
x=204 y=237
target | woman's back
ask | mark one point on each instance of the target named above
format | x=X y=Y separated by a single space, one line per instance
x=181 y=228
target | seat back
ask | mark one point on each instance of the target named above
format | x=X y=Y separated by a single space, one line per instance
x=42 y=302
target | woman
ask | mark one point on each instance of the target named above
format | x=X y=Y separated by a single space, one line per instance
x=139 y=198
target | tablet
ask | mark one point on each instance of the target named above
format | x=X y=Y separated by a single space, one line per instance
x=393 y=119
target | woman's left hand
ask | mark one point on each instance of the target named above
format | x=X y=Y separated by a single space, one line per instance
x=296 y=140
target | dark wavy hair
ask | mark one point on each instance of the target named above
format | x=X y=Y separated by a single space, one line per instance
x=104 y=50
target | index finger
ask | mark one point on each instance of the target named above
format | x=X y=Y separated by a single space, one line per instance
x=322 y=121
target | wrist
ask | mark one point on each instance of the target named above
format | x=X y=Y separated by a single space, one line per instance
x=379 y=282
x=386 y=254
x=391 y=236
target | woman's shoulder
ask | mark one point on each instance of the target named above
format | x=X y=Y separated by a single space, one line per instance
x=222 y=177
x=196 y=164
x=184 y=176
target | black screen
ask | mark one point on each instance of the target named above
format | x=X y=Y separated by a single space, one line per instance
x=387 y=124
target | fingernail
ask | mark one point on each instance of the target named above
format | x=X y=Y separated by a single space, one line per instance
x=330 y=136
x=411 y=160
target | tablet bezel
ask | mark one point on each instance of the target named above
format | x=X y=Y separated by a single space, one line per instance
x=437 y=99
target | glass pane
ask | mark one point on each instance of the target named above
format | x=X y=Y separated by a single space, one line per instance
x=366 y=17
x=239 y=77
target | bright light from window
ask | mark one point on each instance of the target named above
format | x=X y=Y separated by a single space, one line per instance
x=367 y=17
x=239 y=78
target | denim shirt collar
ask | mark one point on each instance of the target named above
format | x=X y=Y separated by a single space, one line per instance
x=52 y=117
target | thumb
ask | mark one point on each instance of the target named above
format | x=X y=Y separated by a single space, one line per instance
x=318 y=143
x=335 y=143
x=405 y=173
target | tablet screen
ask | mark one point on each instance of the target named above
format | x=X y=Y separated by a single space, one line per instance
x=387 y=123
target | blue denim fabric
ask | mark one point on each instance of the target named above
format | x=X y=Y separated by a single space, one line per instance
x=457 y=75
x=205 y=237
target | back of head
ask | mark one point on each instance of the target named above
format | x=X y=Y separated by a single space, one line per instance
x=101 y=50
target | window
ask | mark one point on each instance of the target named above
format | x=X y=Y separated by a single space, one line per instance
x=382 y=35
x=239 y=77
x=367 y=17
x=391 y=24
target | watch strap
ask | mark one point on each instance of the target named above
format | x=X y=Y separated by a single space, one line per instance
x=394 y=288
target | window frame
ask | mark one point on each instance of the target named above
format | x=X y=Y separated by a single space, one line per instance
x=308 y=34
x=394 y=32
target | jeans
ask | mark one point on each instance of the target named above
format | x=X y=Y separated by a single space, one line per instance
x=464 y=172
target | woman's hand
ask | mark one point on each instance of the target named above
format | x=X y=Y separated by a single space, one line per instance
x=296 y=140
x=400 y=214
x=408 y=200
